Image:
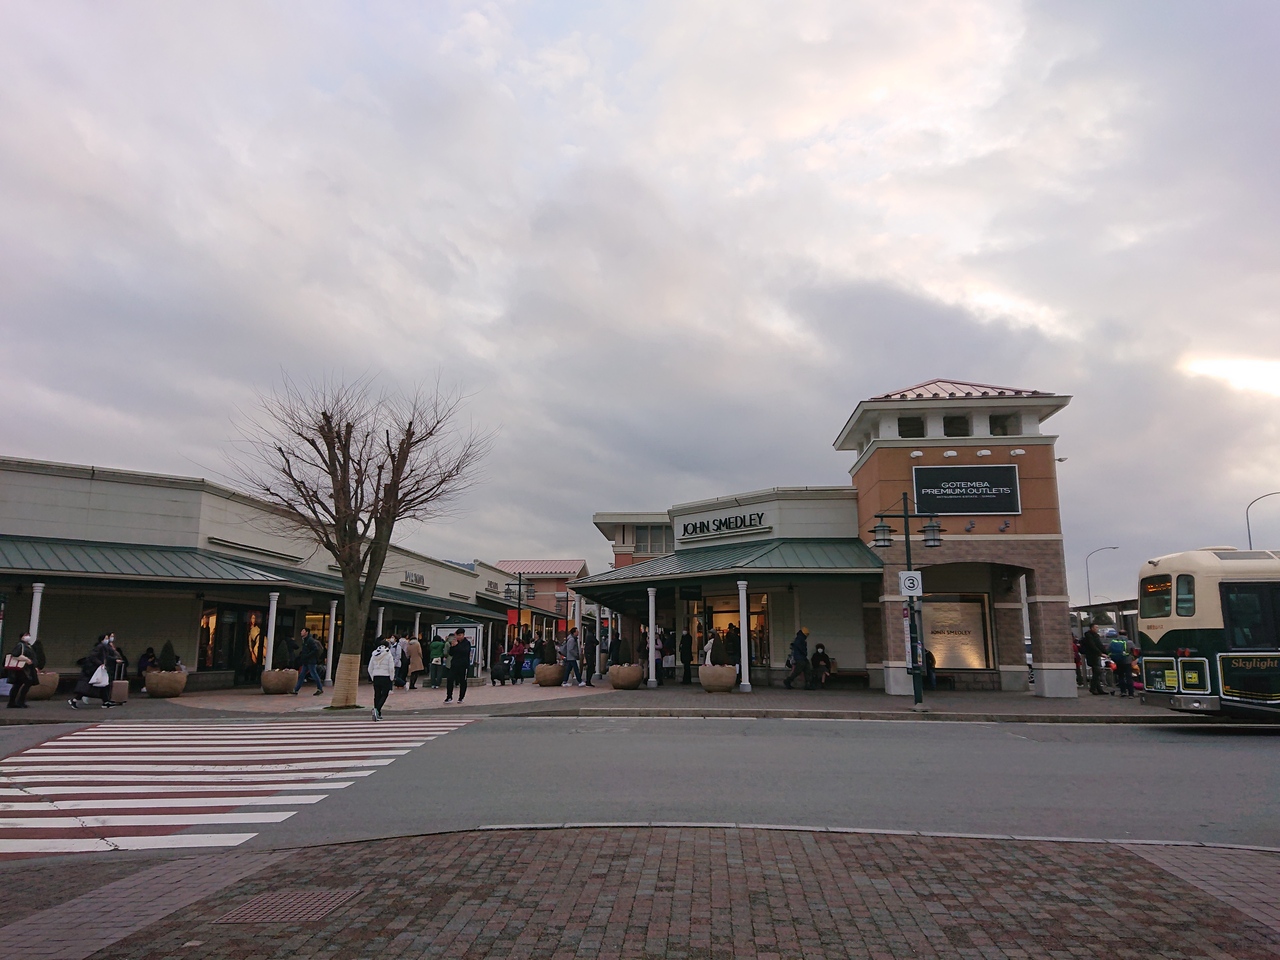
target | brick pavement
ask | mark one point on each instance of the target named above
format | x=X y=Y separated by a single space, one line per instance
x=717 y=893
x=1247 y=880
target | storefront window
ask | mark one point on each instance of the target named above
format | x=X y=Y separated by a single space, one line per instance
x=956 y=631
x=654 y=539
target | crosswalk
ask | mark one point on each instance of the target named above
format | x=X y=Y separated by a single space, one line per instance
x=151 y=786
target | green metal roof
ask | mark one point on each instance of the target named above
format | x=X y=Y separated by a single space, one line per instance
x=87 y=558
x=132 y=561
x=761 y=556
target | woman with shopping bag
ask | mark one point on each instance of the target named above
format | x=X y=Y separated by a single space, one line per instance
x=96 y=673
x=20 y=670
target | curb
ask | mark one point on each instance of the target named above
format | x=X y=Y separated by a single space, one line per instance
x=778 y=713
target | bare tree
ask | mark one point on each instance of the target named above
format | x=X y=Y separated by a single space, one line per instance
x=346 y=463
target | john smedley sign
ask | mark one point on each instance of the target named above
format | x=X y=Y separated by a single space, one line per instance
x=963 y=490
x=722 y=526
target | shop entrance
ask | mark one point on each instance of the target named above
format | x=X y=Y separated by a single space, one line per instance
x=722 y=614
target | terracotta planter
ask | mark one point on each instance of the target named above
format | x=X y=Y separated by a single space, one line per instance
x=279 y=681
x=548 y=674
x=46 y=688
x=626 y=676
x=164 y=684
x=717 y=679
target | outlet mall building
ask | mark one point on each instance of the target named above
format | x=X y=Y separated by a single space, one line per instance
x=779 y=559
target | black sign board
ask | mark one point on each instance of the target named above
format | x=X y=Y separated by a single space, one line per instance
x=691 y=593
x=952 y=491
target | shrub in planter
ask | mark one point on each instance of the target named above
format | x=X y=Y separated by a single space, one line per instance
x=626 y=676
x=717 y=678
x=47 y=686
x=548 y=674
x=167 y=680
x=279 y=681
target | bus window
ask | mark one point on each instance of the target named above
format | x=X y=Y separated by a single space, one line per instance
x=1155 y=598
x=1186 y=599
x=1246 y=610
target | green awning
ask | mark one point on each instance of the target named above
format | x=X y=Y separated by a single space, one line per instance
x=48 y=557
x=124 y=561
x=789 y=557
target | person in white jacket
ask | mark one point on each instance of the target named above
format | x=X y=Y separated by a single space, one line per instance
x=382 y=667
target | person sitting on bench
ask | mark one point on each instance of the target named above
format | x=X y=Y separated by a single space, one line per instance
x=821 y=666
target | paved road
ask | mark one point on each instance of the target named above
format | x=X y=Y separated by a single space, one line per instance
x=1021 y=779
x=1033 y=780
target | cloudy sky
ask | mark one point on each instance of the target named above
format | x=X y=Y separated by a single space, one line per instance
x=667 y=247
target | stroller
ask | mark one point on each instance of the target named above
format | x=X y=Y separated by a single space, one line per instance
x=500 y=672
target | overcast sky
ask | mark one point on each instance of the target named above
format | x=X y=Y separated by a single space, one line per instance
x=666 y=246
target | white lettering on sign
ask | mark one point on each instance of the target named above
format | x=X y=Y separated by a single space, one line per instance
x=729 y=524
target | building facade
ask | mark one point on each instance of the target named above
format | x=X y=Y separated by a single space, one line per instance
x=156 y=558
x=777 y=560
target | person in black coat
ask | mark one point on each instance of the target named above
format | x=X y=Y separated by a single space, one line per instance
x=686 y=657
x=25 y=676
x=103 y=655
x=1092 y=648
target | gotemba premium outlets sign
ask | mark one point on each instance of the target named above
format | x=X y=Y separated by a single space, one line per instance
x=949 y=491
x=734 y=523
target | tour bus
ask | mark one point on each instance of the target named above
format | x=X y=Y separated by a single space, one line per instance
x=1209 y=631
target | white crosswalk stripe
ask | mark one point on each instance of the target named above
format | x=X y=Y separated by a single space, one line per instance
x=143 y=786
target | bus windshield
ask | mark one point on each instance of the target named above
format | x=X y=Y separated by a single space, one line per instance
x=1155 y=597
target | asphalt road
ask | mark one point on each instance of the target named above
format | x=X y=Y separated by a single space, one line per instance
x=1121 y=782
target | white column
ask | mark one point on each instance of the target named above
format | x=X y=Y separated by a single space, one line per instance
x=653 y=630
x=417 y=621
x=744 y=633
x=37 y=594
x=378 y=634
x=271 y=632
x=328 y=650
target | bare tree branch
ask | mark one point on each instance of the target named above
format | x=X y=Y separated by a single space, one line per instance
x=346 y=463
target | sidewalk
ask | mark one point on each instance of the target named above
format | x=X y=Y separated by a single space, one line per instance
x=669 y=700
x=622 y=892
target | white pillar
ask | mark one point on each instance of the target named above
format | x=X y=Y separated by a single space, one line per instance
x=328 y=651
x=653 y=630
x=378 y=634
x=417 y=621
x=37 y=594
x=744 y=633
x=271 y=632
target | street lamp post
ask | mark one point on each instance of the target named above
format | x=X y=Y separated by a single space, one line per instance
x=1087 y=585
x=883 y=535
x=520 y=596
x=1248 y=529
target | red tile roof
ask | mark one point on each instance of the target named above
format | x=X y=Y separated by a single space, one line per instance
x=544 y=568
x=942 y=389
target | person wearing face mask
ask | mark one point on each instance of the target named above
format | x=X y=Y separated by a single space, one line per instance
x=20 y=669
x=821 y=667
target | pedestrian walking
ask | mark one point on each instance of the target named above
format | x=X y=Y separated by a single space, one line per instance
x=517 y=660
x=459 y=664
x=572 y=650
x=436 y=651
x=799 y=658
x=400 y=651
x=308 y=663
x=686 y=657
x=1122 y=657
x=415 y=661
x=21 y=669
x=382 y=668
x=96 y=671
x=1092 y=648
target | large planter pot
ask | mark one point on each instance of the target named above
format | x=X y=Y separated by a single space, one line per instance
x=164 y=684
x=717 y=679
x=46 y=688
x=279 y=681
x=626 y=676
x=548 y=674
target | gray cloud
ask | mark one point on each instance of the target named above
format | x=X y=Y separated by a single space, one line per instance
x=665 y=248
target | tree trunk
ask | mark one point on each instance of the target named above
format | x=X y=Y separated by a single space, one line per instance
x=346 y=681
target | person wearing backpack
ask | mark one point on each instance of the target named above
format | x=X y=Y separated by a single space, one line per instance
x=1122 y=657
x=436 y=651
x=308 y=663
x=382 y=667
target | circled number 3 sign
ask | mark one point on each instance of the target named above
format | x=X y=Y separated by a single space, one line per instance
x=911 y=583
